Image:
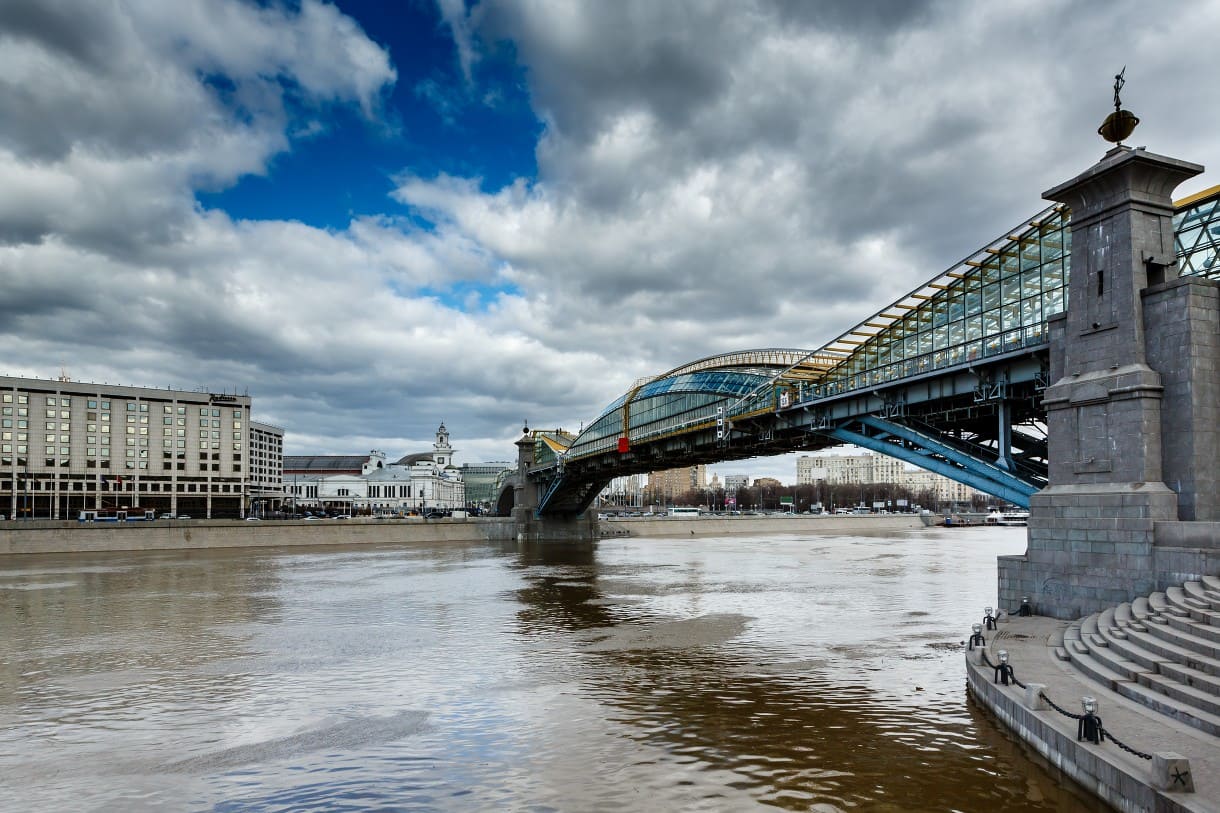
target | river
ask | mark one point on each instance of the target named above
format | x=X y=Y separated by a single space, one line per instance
x=795 y=672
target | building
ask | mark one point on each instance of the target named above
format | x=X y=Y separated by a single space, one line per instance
x=665 y=486
x=863 y=469
x=848 y=469
x=732 y=482
x=622 y=492
x=69 y=446
x=946 y=490
x=370 y=485
x=266 y=465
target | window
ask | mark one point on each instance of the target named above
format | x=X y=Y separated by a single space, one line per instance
x=131 y=407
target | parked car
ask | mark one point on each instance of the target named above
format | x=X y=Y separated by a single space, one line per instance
x=312 y=519
x=342 y=516
x=253 y=519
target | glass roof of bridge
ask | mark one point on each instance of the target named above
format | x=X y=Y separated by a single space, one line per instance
x=995 y=301
x=682 y=398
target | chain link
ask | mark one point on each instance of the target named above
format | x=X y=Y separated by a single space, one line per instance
x=1056 y=707
x=1107 y=735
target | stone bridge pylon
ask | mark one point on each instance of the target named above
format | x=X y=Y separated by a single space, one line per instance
x=1133 y=410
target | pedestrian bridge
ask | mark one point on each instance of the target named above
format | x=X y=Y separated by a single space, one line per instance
x=948 y=377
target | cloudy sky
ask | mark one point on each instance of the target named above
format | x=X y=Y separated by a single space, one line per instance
x=374 y=215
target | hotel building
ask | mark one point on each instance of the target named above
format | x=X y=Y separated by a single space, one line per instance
x=68 y=446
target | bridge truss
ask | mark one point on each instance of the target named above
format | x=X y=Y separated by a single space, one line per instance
x=949 y=378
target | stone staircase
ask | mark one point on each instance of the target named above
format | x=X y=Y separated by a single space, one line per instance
x=1162 y=651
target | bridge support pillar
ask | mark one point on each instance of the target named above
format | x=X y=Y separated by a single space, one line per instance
x=529 y=526
x=581 y=528
x=1092 y=530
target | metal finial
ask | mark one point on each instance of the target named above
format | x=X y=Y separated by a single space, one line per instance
x=1121 y=123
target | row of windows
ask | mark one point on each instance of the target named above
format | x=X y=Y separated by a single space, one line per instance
x=182 y=488
x=132 y=406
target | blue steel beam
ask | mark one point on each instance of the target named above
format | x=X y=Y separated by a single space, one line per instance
x=933 y=446
x=955 y=465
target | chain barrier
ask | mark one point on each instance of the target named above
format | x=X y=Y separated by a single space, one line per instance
x=1104 y=734
x=1057 y=708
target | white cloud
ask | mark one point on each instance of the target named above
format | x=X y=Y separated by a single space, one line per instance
x=711 y=177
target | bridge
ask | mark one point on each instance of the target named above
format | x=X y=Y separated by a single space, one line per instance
x=950 y=377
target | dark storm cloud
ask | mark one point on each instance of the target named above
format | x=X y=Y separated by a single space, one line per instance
x=83 y=33
x=587 y=61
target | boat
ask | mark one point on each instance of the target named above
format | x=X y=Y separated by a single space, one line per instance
x=1015 y=518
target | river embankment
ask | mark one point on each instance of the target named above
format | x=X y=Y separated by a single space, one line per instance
x=769 y=524
x=57 y=536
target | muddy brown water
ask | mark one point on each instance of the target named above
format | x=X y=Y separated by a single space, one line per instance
x=791 y=671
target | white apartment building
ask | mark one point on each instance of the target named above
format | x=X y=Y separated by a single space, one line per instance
x=732 y=482
x=861 y=468
x=68 y=446
x=623 y=492
x=946 y=490
x=874 y=468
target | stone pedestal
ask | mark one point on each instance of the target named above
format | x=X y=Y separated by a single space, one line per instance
x=1091 y=531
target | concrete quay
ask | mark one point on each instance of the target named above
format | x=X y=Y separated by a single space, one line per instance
x=51 y=536
x=772 y=524
x=1125 y=781
x=60 y=536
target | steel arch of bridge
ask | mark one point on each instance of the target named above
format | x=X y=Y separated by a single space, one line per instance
x=946 y=377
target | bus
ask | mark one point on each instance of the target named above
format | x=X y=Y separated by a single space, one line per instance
x=121 y=515
x=684 y=512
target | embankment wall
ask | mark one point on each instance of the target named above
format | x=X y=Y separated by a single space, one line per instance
x=739 y=525
x=73 y=537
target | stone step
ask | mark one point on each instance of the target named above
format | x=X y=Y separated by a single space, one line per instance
x=1123 y=615
x=1176 y=597
x=1188 y=635
x=1121 y=682
x=1193 y=696
x=1159 y=603
x=1166 y=704
x=1186 y=676
x=1140 y=608
x=1124 y=650
x=1146 y=648
x=1211 y=583
x=1195 y=628
x=1097 y=670
x=1196 y=593
x=1115 y=660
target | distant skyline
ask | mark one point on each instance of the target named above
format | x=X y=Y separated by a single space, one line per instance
x=375 y=216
